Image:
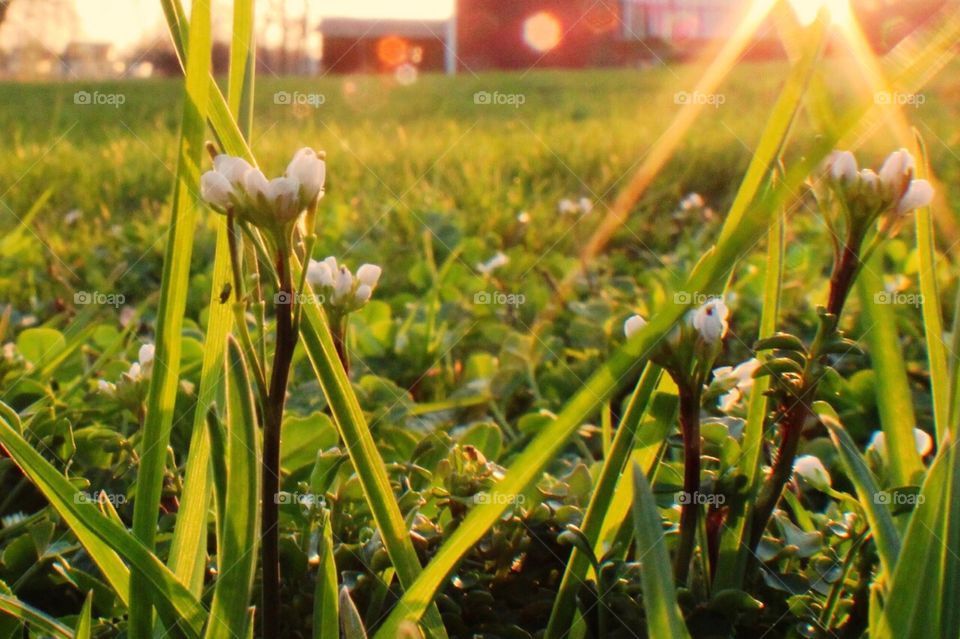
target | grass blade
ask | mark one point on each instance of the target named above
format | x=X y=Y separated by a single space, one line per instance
x=564 y=604
x=237 y=555
x=659 y=595
x=919 y=601
x=84 y=622
x=173 y=294
x=893 y=390
x=878 y=515
x=104 y=539
x=38 y=622
x=325 y=608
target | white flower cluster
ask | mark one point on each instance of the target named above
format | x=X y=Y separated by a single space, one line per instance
x=892 y=189
x=342 y=291
x=235 y=185
x=739 y=379
x=139 y=370
x=567 y=206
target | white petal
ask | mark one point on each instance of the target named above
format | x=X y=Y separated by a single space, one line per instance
x=843 y=166
x=918 y=195
x=146 y=354
x=710 y=320
x=633 y=325
x=309 y=170
x=343 y=285
x=369 y=274
x=331 y=262
x=216 y=189
x=255 y=185
x=319 y=274
x=896 y=166
x=230 y=167
x=134 y=372
x=363 y=294
x=813 y=471
x=284 y=195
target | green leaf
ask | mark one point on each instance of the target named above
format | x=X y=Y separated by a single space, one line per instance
x=84 y=622
x=237 y=556
x=659 y=595
x=350 y=620
x=303 y=437
x=37 y=621
x=878 y=515
x=173 y=296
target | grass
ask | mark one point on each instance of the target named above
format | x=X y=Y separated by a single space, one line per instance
x=457 y=421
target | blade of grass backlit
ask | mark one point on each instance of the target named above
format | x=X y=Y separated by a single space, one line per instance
x=237 y=556
x=173 y=294
x=565 y=603
x=326 y=615
x=734 y=541
x=188 y=558
x=38 y=622
x=893 y=389
x=659 y=595
x=104 y=539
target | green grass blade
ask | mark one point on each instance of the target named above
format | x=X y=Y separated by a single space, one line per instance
x=919 y=602
x=366 y=460
x=325 y=609
x=350 y=620
x=564 y=604
x=734 y=542
x=85 y=622
x=659 y=595
x=932 y=312
x=243 y=62
x=884 y=530
x=173 y=294
x=237 y=557
x=104 y=539
x=38 y=622
x=893 y=390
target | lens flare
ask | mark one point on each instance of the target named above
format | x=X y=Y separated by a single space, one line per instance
x=542 y=31
x=807 y=10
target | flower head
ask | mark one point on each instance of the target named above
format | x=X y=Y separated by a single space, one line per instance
x=633 y=325
x=740 y=381
x=343 y=291
x=711 y=321
x=811 y=470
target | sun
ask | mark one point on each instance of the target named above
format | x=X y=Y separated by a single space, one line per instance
x=807 y=10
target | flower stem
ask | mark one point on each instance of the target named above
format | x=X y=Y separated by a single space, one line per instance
x=273 y=418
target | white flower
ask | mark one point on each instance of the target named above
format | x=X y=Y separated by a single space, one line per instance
x=72 y=217
x=256 y=185
x=692 y=201
x=106 y=387
x=216 y=189
x=843 y=167
x=919 y=194
x=523 y=217
x=566 y=206
x=495 y=262
x=811 y=469
x=633 y=325
x=922 y=441
x=319 y=274
x=310 y=171
x=896 y=170
x=586 y=205
x=369 y=275
x=135 y=371
x=710 y=320
x=363 y=294
x=870 y=181
x=9 y=351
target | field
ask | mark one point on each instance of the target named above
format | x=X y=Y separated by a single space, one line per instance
x=463 y=357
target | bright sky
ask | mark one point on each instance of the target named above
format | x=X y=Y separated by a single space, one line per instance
x=125 y=22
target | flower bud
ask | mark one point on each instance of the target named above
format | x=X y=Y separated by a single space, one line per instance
x=369 y=274
x=284 y=195
x=256 y=185
x=319 y=274
x=230 y=167
x=843 y=167
x=310 y=171
x=216 y=190
x=897 y=171
x=919 y=194
x=710 y=321
x=633 y=325
x=145 y=355
x=363 y=294
x=812 y=471
x=343 y=285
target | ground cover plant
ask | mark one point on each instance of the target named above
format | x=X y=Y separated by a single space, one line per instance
x=627 y=360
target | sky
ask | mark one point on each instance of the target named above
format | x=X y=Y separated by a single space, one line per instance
x=125 y=22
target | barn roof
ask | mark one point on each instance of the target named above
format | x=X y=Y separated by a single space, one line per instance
x=379 y=27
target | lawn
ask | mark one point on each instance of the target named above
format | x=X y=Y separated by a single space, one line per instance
x=469 y=349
